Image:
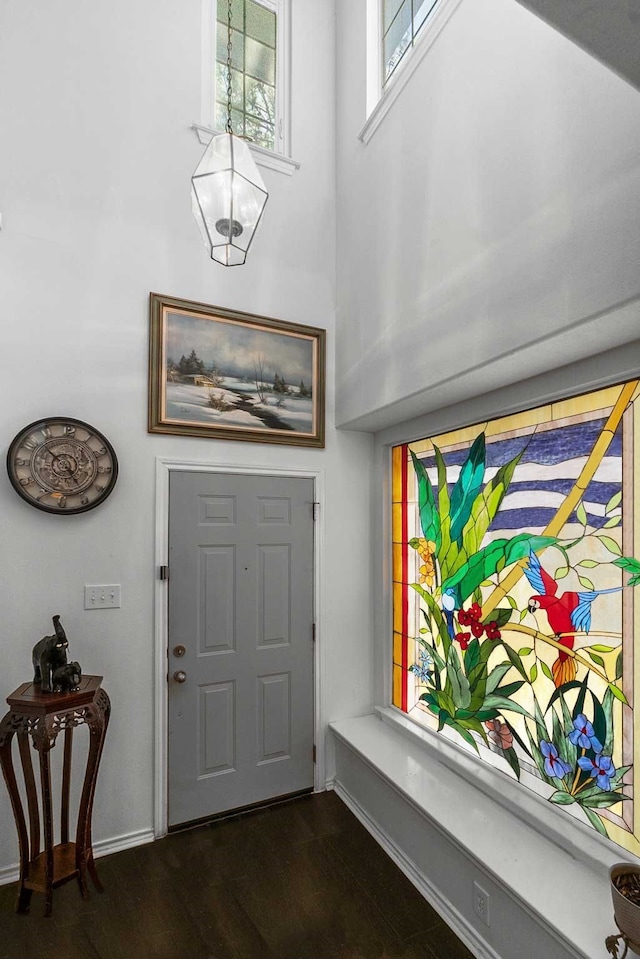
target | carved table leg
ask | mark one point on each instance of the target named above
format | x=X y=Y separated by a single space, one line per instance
x=103 y=705
x=66 y=785
x=24 y=746
x=96 y=723
x=8 y=771
x=43 y=746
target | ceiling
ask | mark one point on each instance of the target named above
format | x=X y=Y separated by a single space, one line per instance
x=607 y=29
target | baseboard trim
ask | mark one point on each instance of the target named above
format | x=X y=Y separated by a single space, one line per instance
x=457 y=922
x=102 y=848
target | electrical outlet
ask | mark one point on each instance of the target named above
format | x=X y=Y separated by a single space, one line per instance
x=481 y=903
x=102 y=597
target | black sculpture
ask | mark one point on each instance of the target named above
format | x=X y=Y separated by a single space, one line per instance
x=48 y=655
x=66 y=679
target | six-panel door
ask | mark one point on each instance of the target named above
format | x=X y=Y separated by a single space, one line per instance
x=241 y=604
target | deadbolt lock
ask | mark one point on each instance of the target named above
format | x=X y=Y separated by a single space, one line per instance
x=179 y=650
x=180 y=676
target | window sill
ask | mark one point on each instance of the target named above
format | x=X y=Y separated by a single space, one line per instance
x=563 y=884
x=574 y=837
x=408 y=66
x=263 y=158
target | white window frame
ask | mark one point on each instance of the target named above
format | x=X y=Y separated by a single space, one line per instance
x=280 y=157
x=381 y=96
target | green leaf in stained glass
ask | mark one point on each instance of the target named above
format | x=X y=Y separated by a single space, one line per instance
x=562 y=798
x=429 y=518
x=614 y=521
x=615 y=500
x=628 y=563
x=595 y=821
x=467 y=486
x=610 y=544
x=603 y=799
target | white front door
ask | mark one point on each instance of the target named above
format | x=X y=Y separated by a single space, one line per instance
x=241 y=633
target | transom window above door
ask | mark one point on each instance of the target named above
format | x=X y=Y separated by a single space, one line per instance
x=256 y=108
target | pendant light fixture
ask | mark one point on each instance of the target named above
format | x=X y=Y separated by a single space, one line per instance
x=227 y=192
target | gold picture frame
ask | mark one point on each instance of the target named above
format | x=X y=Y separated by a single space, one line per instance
x=224 y=374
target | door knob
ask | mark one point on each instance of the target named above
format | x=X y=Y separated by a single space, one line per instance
x=179 y=650
x=180 y=676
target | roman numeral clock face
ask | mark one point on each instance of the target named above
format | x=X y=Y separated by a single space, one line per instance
x=62 y=465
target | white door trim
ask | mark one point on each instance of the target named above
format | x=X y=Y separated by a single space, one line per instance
x=164 y=466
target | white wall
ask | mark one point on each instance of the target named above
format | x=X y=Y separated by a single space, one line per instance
x=96 y=101
x=488 y=248
x=488 y=232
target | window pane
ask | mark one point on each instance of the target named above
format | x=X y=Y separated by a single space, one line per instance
x=260 y=133
x=253 y=54
x=422 y=10
x=221 y=116
x=397 y=39
x=260 y=61
x=391 y=7
x=260 y=23
x=237 y=87
x=237 y=122
x=260 y=100
x=237 y=13
x=237 y=46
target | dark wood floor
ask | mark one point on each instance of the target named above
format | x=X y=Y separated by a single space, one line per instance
x=301 y=880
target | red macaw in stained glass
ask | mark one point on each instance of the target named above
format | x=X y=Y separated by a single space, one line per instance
x=568 y=612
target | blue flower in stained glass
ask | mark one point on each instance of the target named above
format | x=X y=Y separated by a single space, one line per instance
x=424 y=667
x=553 y=765
x=583 y=734
x=602 y=770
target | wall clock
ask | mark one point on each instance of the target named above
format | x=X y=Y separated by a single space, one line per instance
x=62 y=465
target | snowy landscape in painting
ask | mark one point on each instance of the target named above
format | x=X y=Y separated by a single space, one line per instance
x=229 y=374
x=238 y=404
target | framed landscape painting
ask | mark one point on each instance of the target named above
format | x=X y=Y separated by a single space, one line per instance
x=230 y=375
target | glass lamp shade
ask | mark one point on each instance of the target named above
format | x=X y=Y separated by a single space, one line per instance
x=227 y=198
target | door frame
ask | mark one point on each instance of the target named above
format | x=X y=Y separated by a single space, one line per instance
x=164 y=467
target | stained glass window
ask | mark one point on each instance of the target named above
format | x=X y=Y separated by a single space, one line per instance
x=515 y=566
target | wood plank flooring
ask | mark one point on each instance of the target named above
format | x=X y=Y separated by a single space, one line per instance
x=299 y=880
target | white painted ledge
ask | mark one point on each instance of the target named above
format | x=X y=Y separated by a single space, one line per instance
x=567 y=893
x=264 y=158
x=566 y=831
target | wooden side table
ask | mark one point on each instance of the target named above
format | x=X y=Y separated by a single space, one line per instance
x=41 y=716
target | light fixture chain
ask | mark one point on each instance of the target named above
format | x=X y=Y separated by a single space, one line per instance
x=229 y=128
